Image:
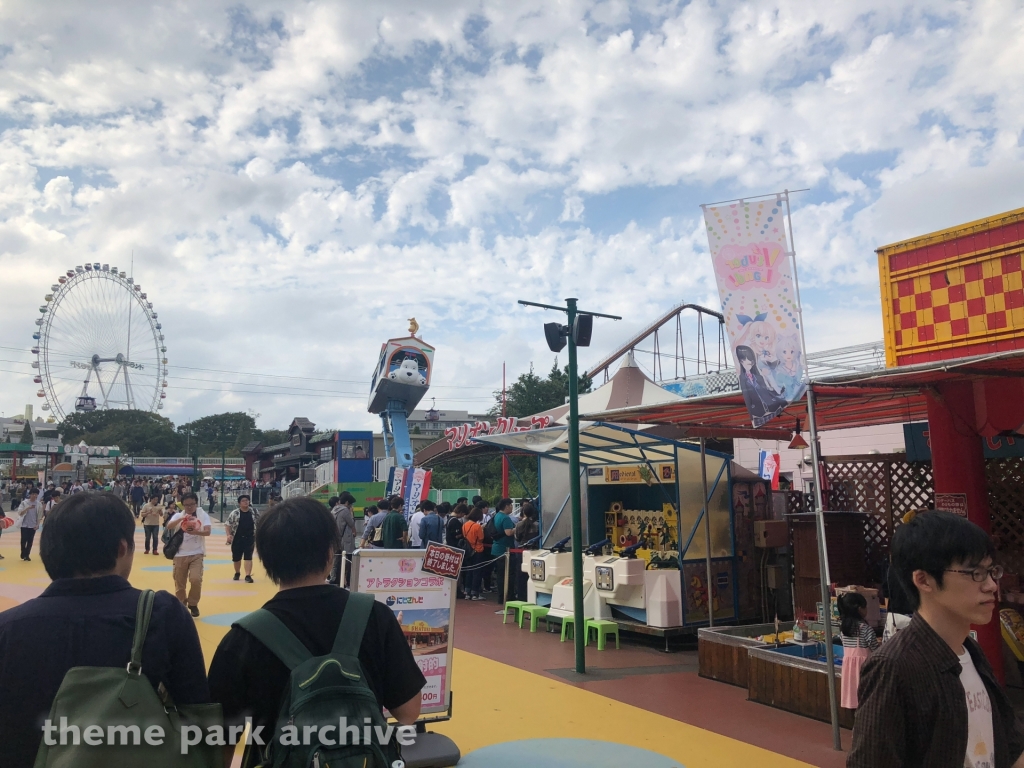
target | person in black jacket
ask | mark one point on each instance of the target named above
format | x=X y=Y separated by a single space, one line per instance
x=453 y=537
x=86 y=618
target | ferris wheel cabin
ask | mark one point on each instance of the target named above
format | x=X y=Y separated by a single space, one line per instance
x=85 y=404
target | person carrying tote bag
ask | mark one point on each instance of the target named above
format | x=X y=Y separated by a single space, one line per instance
x=108 y=701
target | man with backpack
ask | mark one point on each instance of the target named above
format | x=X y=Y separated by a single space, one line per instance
x=188 y=560
x=394 y=529
x=310 y=634
x=86 y=618
x=431 y=528
x=374 y=518
x=453 y=538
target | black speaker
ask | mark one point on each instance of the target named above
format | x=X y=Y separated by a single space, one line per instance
x=555 y=334
x=583 y=330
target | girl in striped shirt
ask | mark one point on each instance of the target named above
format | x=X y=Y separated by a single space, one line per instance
x=859 y=641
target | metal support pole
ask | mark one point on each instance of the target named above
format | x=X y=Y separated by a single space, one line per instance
x=826 y=603
x=707 y=529
x=574 y=474
x=504 y=457
x=574 y=492
x=823 y=575
x=223 y=451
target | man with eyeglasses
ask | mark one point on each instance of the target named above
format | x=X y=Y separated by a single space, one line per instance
x=929 y=697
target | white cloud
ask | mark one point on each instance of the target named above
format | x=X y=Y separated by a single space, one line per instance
x=296 y=179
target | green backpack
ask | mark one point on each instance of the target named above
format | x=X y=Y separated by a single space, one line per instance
x=321 y=691
x=125 y=707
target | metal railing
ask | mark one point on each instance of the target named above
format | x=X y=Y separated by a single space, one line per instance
x=182 y=461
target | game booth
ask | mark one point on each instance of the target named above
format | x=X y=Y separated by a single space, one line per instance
x=953 y=316
x=648 y=559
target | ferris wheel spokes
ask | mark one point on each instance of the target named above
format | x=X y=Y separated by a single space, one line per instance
x=118 y=345
x=122 y=364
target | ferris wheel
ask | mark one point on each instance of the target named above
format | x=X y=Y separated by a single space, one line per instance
x=98 y=344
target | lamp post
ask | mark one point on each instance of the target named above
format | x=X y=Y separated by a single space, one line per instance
x=223 y=453
x=577 y=332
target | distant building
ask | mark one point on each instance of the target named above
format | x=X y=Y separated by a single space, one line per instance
x=345 y=456
x=432 y=423
x=43 y=432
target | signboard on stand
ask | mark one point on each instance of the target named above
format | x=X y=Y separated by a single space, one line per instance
x=424 y=604
x=442 y=561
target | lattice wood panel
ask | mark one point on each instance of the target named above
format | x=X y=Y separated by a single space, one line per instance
x=1006 y=502
x=798 y=502
x=885 y=487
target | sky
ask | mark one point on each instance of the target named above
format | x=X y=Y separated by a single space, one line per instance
x=291 y=182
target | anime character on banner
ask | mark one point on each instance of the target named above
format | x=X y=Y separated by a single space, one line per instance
x=752 y=265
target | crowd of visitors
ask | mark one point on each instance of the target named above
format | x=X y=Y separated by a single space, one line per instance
x=88 y=547
x=492 y=539
x=925 y=696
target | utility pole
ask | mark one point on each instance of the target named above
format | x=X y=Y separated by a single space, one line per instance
x=504 y=456
x=556 y=337
x=223 y=452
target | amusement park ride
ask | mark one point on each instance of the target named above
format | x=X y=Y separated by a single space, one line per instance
x=98 y=344
x=400 y=380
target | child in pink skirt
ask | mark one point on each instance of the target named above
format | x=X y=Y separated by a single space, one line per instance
x=859 y=641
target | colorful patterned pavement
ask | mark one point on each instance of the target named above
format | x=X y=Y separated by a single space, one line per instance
x=513 y=686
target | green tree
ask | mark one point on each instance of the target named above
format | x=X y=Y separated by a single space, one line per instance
x=210 y=434
x=26 y=434
x=530 y=394
x=271 y=436
x=136 y=433
x=245 y=436
x=484 y=472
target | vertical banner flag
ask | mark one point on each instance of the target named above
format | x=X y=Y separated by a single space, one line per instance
x=413 y=485
x=768 y=468
x=751 y=258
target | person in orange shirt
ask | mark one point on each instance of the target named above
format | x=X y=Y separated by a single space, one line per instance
x=473 y=533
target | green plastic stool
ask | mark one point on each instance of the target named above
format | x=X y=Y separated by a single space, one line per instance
x=517 y=611
x=568 y=623
x=604 y=629
x=535 y=612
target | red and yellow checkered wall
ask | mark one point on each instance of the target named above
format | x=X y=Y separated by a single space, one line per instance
x=955 y=293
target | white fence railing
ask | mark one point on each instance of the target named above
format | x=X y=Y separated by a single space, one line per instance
x=296 y=488
x=326 y=472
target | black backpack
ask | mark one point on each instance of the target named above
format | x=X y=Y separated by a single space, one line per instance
x=490 y=532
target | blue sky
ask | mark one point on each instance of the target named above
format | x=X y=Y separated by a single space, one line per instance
x=297 y=179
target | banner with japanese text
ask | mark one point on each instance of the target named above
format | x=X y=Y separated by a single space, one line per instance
x=423 y=603
x=413 y=485
x=753 y=268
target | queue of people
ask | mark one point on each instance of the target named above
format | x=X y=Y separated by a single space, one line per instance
x=492 y=539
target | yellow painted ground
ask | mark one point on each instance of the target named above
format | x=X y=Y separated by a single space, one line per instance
x=494 y=702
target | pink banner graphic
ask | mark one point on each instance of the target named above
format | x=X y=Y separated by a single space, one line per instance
x=753 y=268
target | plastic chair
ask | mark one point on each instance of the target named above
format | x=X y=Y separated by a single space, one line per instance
x=568 y=623
x=517 y=611
x=535 y=612
x=603 y=628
